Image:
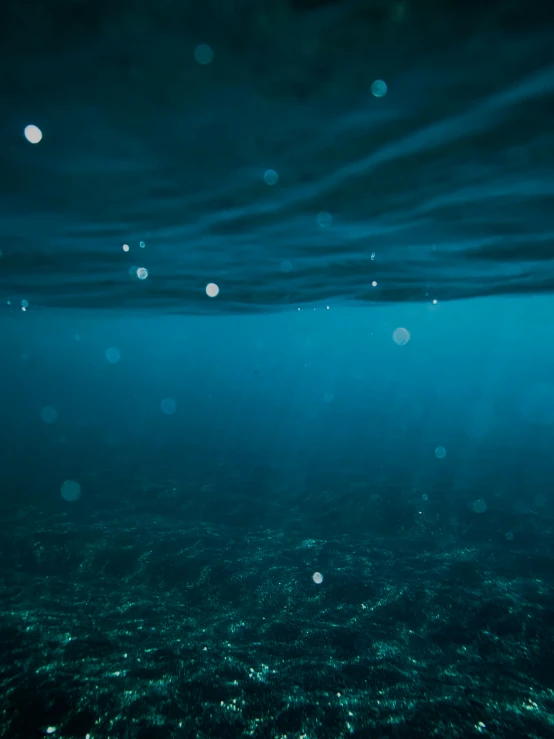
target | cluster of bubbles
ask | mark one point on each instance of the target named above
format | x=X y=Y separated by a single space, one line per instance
x=204 y=54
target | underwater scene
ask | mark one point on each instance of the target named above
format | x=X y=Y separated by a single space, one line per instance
x=277 y=369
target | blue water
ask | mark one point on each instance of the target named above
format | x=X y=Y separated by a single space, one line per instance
x=277 y=378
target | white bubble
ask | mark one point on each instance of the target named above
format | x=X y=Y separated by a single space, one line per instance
x=203 y=54
x=142 y=273
x=374 y=283
x=49 y=414
x=168 y=406
x=372 y=256
x=379 y=88
x=317 y=577
x=401 y=336
x=324 y=219
x=71 y=490
x=286 y=266
x=271 y=177
x=478 y=506
x=33 y=134
x=125 y=247
x=328 y=397
x=212 y=290
x=440 y=452
x=113 y=355
x=142 y=244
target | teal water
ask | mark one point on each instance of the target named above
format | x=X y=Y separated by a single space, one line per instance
x=277 y=390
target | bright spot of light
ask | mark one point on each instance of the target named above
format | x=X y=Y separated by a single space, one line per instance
x=203 y=54
x=125 y=247
x=142 y=273
x=379 y=88
x=33 y=134
x=212 y=290
x=71 y=490
x=401 y=336
x=271 y=177
x=49 y=414
x=317 y=577
x=168 y=406
x=113 y=355
x=440 y=452
x=435 y=302
x=374 y=283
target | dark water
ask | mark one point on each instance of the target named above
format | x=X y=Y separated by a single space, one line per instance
x=310 y=507
x=446 y=180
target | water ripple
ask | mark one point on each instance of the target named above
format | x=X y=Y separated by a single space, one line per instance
x=442 y=188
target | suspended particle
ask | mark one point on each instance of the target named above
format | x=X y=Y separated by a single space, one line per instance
x=168 y=406
x=33 y=134
x=401 y=336
x=324 y=219
x=271 y=177
x=113 y=355
x=379 y=89
x=71 y=490
x=203 y=54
